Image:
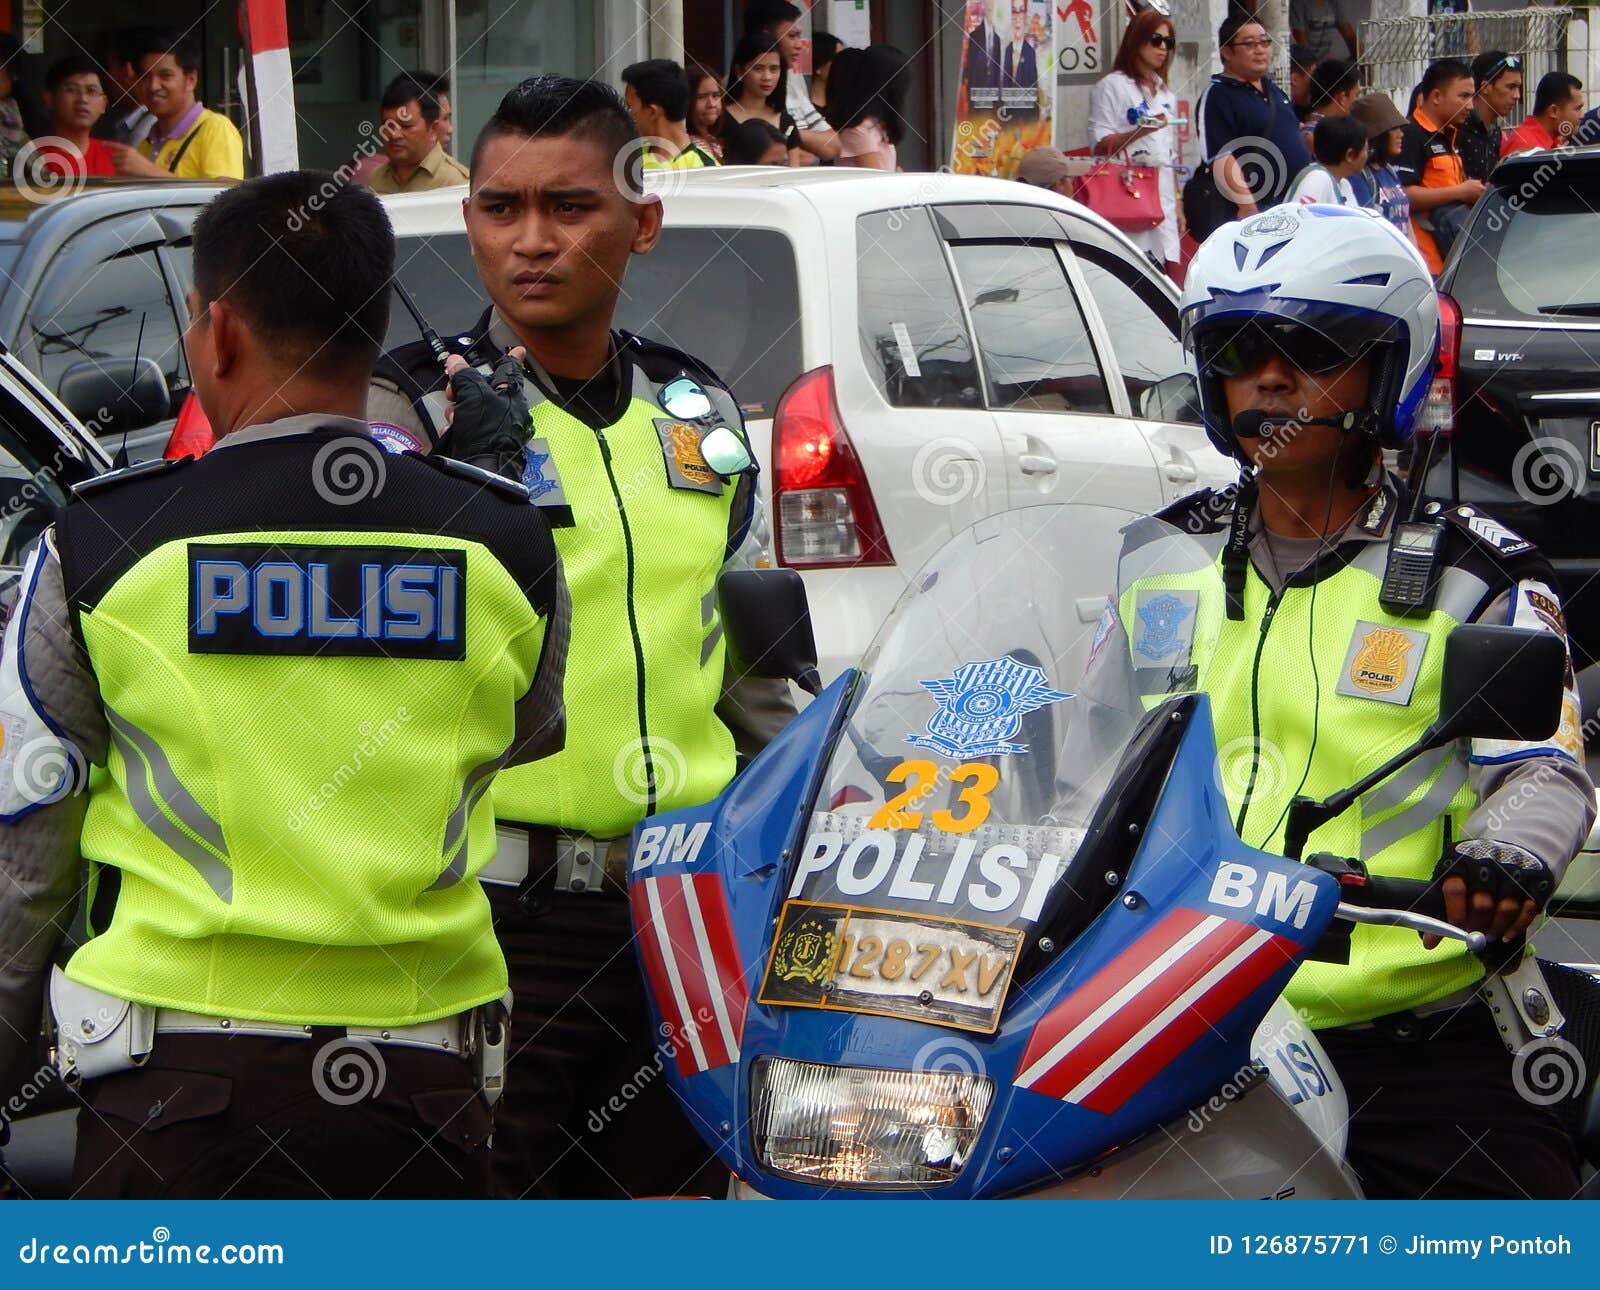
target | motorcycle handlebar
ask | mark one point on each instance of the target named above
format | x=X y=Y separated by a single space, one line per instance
x=1414 y=895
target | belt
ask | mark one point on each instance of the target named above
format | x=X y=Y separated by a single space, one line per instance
x=447 y=1034
x=556 y=860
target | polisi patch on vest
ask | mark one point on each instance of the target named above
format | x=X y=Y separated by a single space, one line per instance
x=686 y=462
x=1382 y=663
x=328 y=601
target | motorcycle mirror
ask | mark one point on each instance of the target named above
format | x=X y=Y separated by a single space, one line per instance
x=1497 y=683
x=1501 y=683
x=768 y=624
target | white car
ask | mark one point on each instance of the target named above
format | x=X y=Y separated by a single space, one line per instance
x=912 y=353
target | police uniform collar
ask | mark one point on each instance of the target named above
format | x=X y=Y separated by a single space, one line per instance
x=297 y=423
x=1371 y=522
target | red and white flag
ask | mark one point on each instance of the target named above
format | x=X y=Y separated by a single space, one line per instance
x=274 y=144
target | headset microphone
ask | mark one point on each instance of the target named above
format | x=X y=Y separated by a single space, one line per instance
x=1253 y=424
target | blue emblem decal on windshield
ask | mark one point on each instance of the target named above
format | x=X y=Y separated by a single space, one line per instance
x=981 y=708
x=1165 y=625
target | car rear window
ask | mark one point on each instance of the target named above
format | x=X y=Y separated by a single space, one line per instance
x=440 y=276
x=1525 y=242
x=730 y=297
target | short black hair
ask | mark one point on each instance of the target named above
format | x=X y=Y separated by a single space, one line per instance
x=152 y=40
x=745 y=141
x=759 y=14
x=824 y=45
x=71 y=65
x=1332 y=77
x=1442 y=72
x=305 y=258
x=662 y=83
x=1231 y=25
x=1492 y=64
x=869 y=82
x=406 y=89
x=1554 y=88
x=553 y=106
x=1336 y=137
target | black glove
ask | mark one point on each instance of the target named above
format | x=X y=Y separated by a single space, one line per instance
x=490 y=426
x=1500 y=869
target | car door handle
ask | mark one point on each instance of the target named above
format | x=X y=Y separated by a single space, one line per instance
x=1033 y=464
x=1176 y=472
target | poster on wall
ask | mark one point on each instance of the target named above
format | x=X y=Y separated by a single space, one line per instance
x=1006 y=93
x=1080 y=58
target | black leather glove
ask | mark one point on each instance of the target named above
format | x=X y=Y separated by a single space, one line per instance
x=489 y=428
x=1499 y=869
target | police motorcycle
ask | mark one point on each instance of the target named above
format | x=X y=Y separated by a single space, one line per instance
x=974 y=926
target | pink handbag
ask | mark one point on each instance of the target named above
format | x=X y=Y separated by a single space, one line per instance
x=1129 y=196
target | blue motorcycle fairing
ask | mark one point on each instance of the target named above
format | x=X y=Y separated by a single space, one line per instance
x=1153 y=1060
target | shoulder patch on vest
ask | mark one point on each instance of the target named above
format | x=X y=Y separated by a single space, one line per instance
x=450 y=466
x=112 y=478
x=1489 y=533
x=1206 y=511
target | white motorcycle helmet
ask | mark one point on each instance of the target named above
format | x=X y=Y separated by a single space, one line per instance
x=1349 y=277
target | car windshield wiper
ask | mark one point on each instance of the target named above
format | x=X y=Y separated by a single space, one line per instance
x=1585 y=307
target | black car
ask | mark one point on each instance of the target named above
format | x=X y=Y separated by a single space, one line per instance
x=1520 y=364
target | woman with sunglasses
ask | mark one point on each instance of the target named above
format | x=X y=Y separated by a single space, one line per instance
x=1130 y=115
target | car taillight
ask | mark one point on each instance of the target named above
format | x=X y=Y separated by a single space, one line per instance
x=191 y=435
x=824 y=513
x=1439 y=412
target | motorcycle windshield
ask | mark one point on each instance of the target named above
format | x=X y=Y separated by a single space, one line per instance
x=996 y=709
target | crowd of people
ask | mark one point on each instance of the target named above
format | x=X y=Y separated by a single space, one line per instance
x=1322 y=141
x=136 y=112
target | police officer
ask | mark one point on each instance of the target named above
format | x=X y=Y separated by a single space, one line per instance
x=637 y=456
x=299 y=661
x=1315 y=336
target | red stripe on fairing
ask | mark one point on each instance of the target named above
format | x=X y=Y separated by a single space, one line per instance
x=656 y=972
x=1060 y=1022
x=1208 y=1010
x=1154 y=995
x=718 y=920
x=678 y=940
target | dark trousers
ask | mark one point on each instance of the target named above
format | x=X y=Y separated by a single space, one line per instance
x=587 y=1113
x=254 y=1117
x=1435 y=1113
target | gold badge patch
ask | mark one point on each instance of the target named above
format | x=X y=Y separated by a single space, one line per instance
x=804 y=953
x=1380 y=664
x=686 y=452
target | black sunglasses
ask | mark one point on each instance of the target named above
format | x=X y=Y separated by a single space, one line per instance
x=1249 y=346
x=1163 y=42
x=1510 y=63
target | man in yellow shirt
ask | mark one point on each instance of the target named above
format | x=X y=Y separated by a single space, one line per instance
x=415 y=161
x=187 y=140
x=657 y=94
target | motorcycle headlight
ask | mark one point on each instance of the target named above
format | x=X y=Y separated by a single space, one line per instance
x=856 y=1126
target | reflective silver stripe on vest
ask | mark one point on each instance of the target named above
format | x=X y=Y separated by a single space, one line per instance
x=708 y=617
x=1460 y=590
x=1435 y=803
x=140 y=753
x=455 y=828
x=1405 y=781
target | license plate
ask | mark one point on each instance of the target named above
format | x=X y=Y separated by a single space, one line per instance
x=889 y=964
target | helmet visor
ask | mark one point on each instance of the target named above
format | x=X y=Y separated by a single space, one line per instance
x=1315 y=342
